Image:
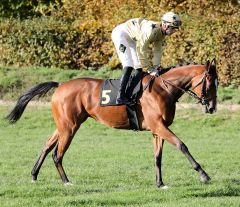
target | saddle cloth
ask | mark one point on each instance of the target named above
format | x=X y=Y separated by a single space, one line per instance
x=110 y=90
x=109 y=94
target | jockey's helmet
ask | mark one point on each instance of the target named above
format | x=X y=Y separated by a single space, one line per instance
x=171 y=19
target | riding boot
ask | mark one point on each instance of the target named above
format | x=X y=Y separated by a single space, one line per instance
x=138 y=72
x=136 y=77
x=121 y=97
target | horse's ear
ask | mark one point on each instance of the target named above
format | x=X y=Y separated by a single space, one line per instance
x=212 y=67
x=208 y=65
x=213 y=62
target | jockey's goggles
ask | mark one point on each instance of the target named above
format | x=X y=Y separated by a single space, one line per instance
x=175 y=24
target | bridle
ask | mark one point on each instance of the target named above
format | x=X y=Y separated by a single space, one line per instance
x=202 y=99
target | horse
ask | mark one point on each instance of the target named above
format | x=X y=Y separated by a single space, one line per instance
x=74 y=101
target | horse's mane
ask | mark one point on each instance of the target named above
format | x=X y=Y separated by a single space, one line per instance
x=168 y=68
x=164 y=70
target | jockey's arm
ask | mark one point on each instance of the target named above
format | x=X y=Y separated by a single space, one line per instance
x=143 y=46
x=144 y=55
x=158 y=48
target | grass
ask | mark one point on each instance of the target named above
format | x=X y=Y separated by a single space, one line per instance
x=14 y=81
x=111 y=167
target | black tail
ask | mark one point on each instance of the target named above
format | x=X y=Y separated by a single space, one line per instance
x=37 y=90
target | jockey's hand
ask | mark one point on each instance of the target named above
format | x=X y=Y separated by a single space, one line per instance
x=155 y=70
x=154 y=73
x=157 y=67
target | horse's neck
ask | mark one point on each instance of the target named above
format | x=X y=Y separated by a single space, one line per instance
x=181 y=78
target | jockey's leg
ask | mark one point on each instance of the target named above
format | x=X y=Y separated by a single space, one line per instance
x=138 y=71
x=121 y=97
x=124 y=46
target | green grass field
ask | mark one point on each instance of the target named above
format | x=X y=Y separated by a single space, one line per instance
x=111 y=167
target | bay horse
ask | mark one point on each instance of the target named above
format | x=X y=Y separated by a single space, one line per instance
x=76 y=100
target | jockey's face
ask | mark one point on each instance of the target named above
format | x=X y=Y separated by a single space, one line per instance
x=168 y=30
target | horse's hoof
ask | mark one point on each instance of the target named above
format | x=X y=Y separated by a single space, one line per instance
x=34 y=181
x=205 y=178
x=68 y=184
x=162 y=186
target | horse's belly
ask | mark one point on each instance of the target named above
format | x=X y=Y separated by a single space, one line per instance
x=113 y=116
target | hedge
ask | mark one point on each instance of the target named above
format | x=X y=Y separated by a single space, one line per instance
x=77 y=34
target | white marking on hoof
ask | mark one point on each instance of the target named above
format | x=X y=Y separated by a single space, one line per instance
x=164 y=187
x=205 y=179
x=34 y=181
x=68 y=184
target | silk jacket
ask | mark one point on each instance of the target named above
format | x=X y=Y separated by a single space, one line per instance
x=146 y=33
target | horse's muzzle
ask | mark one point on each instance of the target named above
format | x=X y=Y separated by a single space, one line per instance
x=210 y=109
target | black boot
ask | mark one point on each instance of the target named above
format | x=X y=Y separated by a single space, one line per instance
x=138 y=73
x=121 y=97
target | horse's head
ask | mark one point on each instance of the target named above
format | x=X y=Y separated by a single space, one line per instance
x=205 y=86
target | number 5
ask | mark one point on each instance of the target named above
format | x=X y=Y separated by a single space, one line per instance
x=106 y=96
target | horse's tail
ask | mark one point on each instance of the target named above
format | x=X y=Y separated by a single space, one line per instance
x=37 y=90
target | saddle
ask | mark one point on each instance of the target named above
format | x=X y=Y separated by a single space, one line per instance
x=109 y=93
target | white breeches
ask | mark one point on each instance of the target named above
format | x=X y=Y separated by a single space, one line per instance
x=126 y=47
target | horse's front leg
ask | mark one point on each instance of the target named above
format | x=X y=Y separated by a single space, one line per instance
x=158 y=148
x=167 y=134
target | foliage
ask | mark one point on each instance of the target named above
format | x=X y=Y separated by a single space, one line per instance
x=77 y=34
x=50 y=43
x=26 y=8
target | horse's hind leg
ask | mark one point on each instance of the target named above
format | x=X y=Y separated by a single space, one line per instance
x=49 y=145
x=62 y=146
x=68 y=119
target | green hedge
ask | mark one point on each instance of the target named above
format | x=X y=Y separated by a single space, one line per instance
x=77 y=34
x=25 y=8
x=50 y=43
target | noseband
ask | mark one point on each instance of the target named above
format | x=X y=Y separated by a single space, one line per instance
x=202 y=99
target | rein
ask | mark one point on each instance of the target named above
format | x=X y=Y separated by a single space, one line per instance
x=201 y=99
x=148 y=83
x=189 y=92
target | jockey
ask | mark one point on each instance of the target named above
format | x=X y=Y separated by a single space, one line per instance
x=132 y=40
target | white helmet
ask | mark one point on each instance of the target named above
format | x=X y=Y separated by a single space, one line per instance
x=171 y=19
